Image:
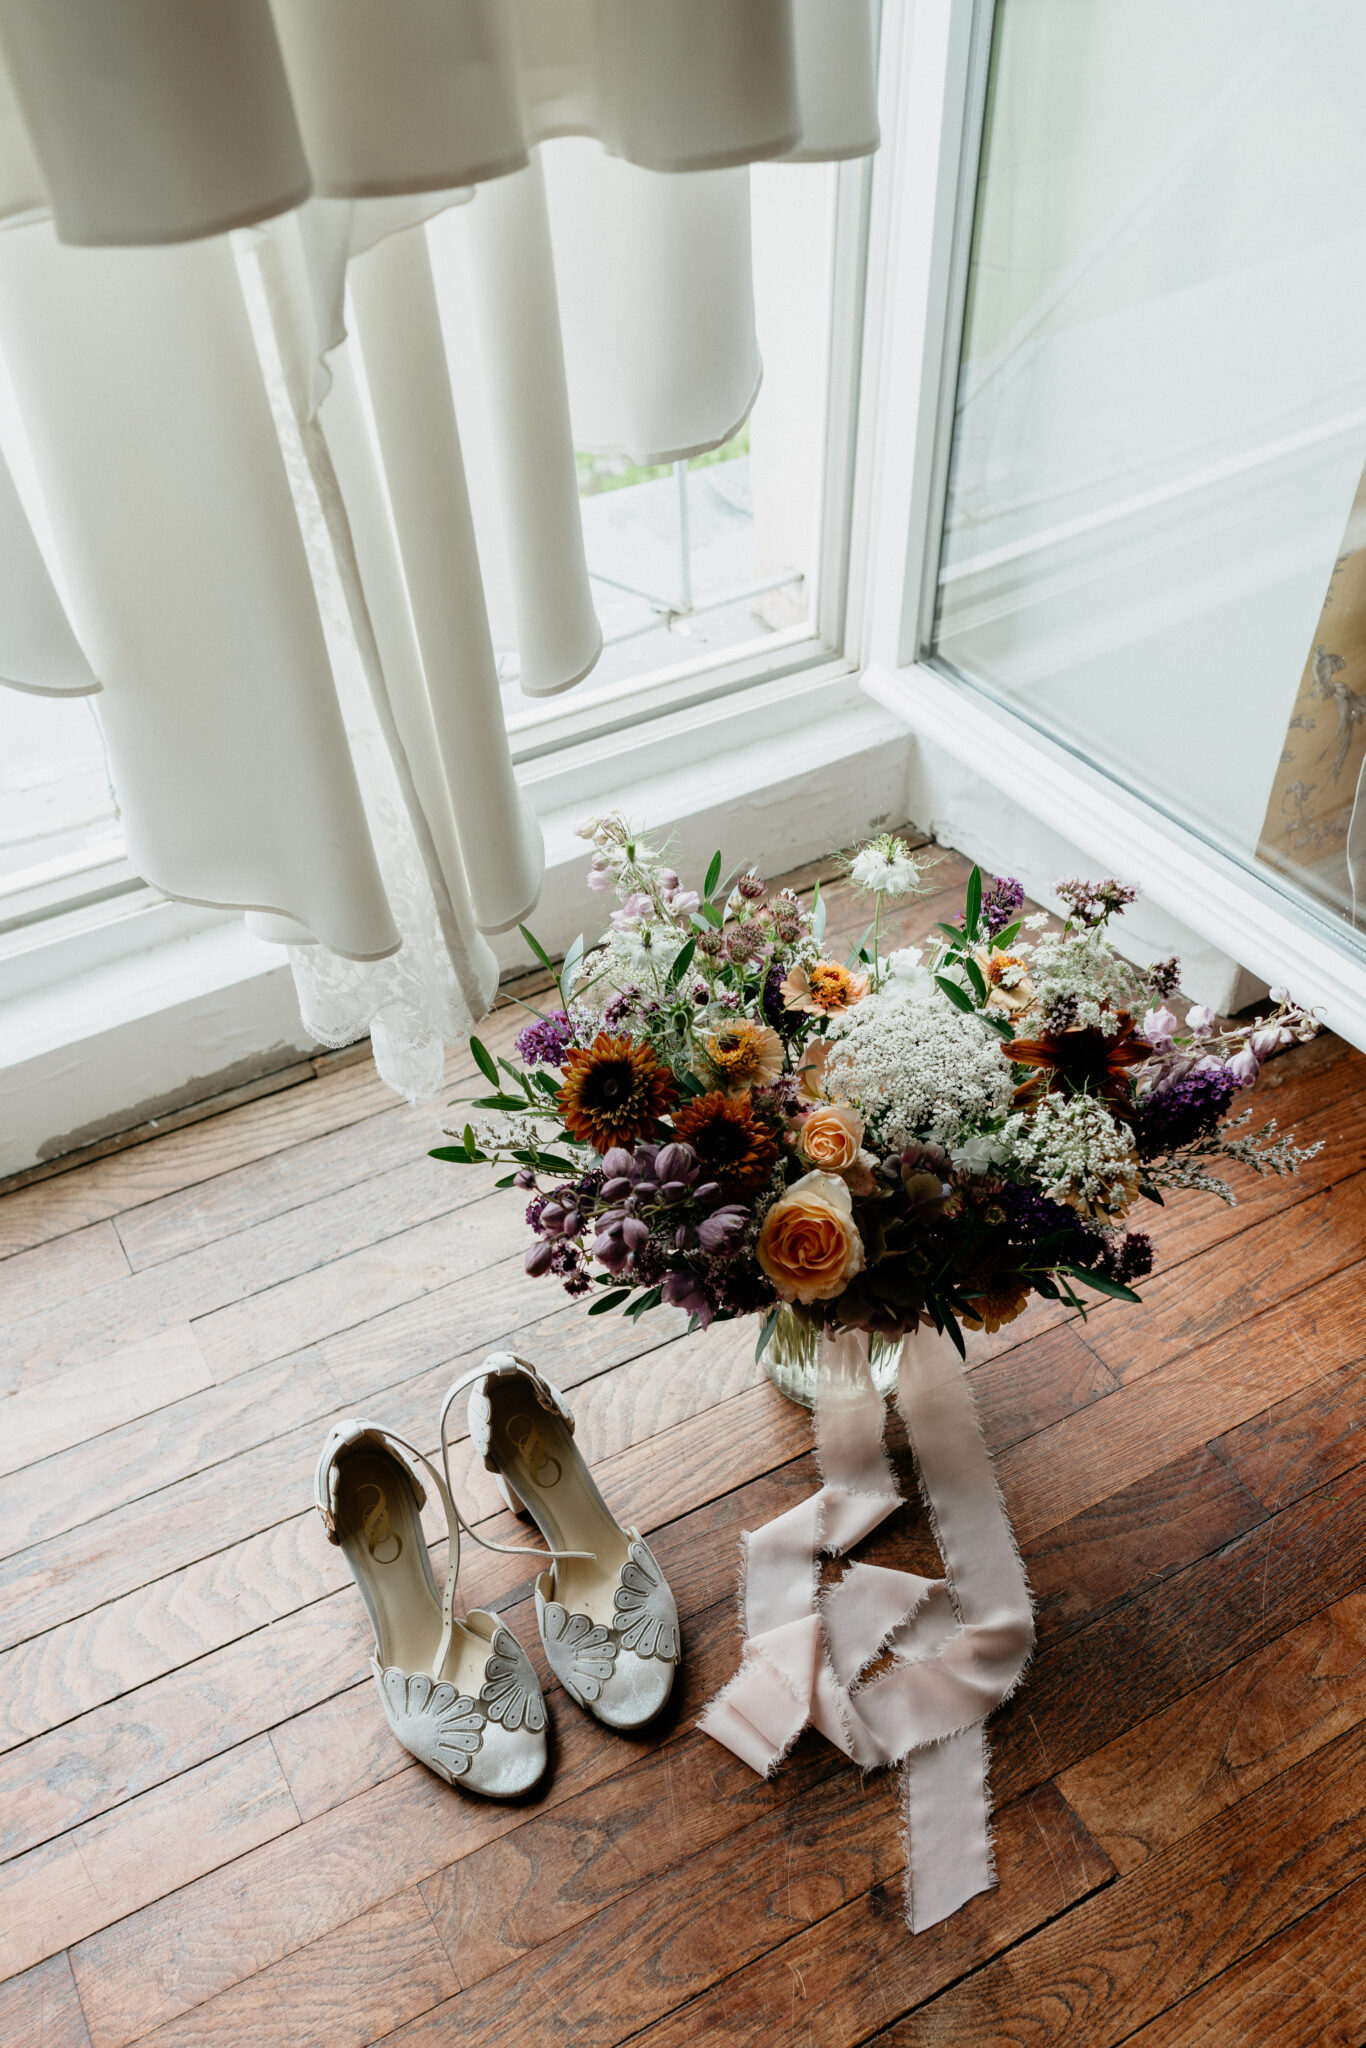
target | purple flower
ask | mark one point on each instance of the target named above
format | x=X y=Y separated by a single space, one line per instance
x=1182 y=1111
x=723 y=1228
x=1164 y=977
x=686 y=1291
x=1244 y=1067
x=545 y=1043
x=784 y=1021
x=1159 y=1028
x=1001 y=903
x=1093 y=902
x=621 y=1005
x=1200 y=1020
x=539 y=1257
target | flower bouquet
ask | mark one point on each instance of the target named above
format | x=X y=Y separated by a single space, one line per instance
x=722 y=1117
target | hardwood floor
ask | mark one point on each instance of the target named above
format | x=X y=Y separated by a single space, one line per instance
x=208 y=1835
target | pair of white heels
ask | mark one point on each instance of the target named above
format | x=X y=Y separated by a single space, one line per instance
x=462 y=1695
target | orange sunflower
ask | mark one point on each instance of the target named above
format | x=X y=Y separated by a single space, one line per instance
x=1083 y=1061
x=734 y=1148
x=614 y=1092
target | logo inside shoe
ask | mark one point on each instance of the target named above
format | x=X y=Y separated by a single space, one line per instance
x=525 y=1436
x=382 y=1539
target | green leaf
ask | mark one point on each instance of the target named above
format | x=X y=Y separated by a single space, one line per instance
x=1102 y=1283
x=545 y=1162
x=507 y=1181
x=959 y=997
x=973 y=908
x=573 y=961
x=976 y=977
x=770 y=1324
x=1003 y=939
x=484 y=1060
x=682 y=962
x=515 y=1103
x=547 y=1083
x=1151 y=1194
x=951 y=931
x=457 y=1153
x=606 y=1301
x=538 y=949
x=713 y=876
x=709 y=918
x=817 y=915
x=1002 y=1026
x=645 y=1302
x=951 y=1325
x=516 y=1074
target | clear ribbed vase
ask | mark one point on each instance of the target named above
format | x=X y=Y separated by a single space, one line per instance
x=792 y=1359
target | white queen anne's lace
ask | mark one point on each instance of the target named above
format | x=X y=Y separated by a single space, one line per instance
x=918 y=1065
x=1079 y=1151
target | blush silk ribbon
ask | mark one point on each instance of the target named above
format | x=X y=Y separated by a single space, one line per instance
x=958 y=1645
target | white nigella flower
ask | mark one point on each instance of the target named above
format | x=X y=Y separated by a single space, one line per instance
x=906 y=974
x=886 y=866
x=1082 y=1155
x=980 y=1154
x=915 y=1064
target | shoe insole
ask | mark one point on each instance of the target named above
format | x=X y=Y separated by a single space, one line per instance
x=533 y=1447
x=380 y=1529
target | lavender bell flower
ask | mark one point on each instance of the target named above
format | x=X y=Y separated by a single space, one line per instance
x=722 y=1228
x=1159 y=1028
x=538 y=1258
x=1244 y=1066
x=1200 y=1020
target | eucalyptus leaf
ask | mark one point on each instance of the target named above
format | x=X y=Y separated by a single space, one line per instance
x=959 y=997
x=607 y=1301
x=484 y=1060
x=538 y=949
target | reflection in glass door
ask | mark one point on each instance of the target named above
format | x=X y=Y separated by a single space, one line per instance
x=1155 y=535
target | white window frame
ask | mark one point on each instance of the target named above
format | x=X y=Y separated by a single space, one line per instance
x=939 y=51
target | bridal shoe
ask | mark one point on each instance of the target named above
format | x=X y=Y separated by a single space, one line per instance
x=607 y=1618
x=461 y=1696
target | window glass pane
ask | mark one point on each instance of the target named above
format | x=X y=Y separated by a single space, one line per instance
x=719 y=555
x=1156 y=504
x=57 y=814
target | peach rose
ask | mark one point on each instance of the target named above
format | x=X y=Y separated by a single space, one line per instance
x=831 y=1139
x=809 y=1245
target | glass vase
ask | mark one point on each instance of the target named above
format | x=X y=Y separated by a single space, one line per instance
x=792 y=1358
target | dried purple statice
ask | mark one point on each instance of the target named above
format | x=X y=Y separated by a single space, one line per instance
x=1091 y=903
x=1164 y=977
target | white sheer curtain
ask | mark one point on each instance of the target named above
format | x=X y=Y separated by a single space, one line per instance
x=258 y=542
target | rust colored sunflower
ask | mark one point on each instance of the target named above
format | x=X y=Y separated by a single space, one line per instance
x=1081 y=1060
x=734 y=1148
x=614 y=1092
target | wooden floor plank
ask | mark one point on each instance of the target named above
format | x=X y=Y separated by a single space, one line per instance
x=85 y=1401
x=1266 y=1264
x=1304 y=1989
x=1122 y=1957
x=350 y=1988
x=55 y=1272
x=1087 y=1688
x=857 y=1969
x=412 y=1215
x=41 y=2008
x=101 y=1872
x=1303 y=1441
x=1196 y=1395
x=1154 y=1784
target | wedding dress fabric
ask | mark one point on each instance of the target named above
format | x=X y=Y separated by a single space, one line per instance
x=205 y=449
x=958 y=1645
